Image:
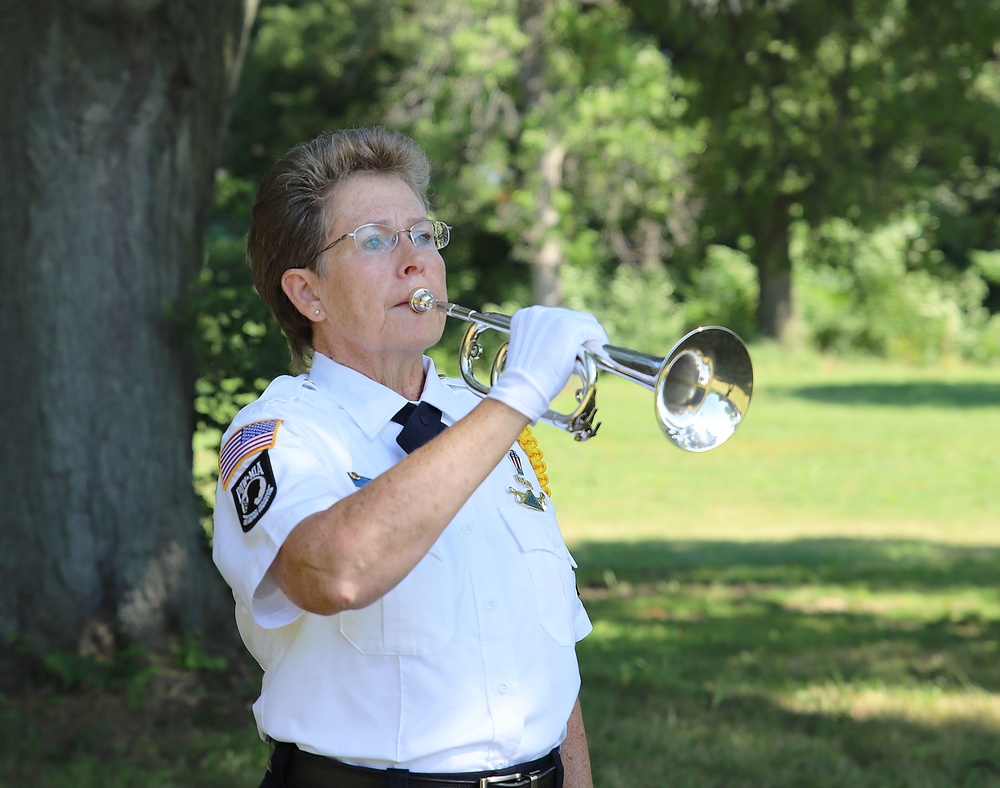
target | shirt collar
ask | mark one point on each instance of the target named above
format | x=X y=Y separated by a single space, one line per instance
x=371 y=404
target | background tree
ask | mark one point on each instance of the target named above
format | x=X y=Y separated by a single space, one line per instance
x=554 y=127
x=818 y=110
x=109 y=141
x=491 y=89
x=705 y=149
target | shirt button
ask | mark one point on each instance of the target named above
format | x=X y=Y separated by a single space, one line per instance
x=491 y=604
x=466 y=528
x=503 y=687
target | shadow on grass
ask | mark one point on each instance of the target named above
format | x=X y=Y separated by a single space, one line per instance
x=677 y=740
x=879 y=564
x=161 y=728
x=925 y=393
x=812 y=662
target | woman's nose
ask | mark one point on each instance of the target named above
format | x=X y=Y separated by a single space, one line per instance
x=411 y=259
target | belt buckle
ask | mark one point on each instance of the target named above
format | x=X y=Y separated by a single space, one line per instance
x=504 y=779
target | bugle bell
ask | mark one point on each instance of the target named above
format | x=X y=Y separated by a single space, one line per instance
x=702 y=386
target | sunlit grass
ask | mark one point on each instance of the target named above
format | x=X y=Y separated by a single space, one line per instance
x=933 y=707
x=840 y=449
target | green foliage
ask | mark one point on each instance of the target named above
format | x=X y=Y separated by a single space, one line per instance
x=129 y=669
x=840 y=106
x=190 y=654
x=312 y=65
x=720 y=131
x=637 y=307
x=820 y=111
x=874 y=292
x=723 y=291
x=695 y=141
x=987 y=265
x=601 y=95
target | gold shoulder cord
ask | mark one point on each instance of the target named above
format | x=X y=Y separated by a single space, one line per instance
x=529 y=443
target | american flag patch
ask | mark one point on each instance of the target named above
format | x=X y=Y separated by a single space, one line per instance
x=248 y=440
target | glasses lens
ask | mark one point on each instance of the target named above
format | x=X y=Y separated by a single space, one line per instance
x=375 y=238
x=422 y=234
x=431 y=232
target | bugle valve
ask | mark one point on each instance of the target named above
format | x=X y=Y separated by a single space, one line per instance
x=702 y=386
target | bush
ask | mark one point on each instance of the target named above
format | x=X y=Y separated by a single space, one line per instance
x=888 y=293
x=636 y=306
x=724 y=291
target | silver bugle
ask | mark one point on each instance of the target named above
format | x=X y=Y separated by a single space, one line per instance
x=702 y=387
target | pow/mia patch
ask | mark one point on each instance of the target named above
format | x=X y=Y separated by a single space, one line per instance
x=254 y=491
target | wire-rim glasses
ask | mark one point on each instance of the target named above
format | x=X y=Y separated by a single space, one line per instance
x=382 y=238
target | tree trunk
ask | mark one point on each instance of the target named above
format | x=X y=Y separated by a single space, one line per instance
x=544 y=247
x=546 y=285
x=108 y=142
x=775 y=314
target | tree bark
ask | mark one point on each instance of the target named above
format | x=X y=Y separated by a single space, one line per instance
x=108 y=142
x=544 y=249
x=546 y=283
x=775 y=313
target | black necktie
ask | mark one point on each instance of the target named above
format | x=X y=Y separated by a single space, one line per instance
x=421 y=422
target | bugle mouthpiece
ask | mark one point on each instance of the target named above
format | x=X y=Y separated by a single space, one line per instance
x=422 y=300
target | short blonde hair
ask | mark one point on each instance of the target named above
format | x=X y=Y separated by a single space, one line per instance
x=293 y=210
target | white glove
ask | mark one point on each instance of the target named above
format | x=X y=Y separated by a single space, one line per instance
x=544 y=345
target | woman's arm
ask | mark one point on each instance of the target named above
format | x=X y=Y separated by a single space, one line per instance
x=576 y=753
x=360 y=548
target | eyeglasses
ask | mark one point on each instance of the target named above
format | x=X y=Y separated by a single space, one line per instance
x=382 y=239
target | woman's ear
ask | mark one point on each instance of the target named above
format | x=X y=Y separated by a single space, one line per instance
x=298 y=285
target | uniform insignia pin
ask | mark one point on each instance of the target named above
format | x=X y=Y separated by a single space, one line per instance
x=519 y=470
x=358 y=479
x=529 y=499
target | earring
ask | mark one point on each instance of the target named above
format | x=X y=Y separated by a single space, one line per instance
x=317 y=311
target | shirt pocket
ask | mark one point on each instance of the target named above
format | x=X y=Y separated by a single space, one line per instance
x=552 y=571
x=416 y=617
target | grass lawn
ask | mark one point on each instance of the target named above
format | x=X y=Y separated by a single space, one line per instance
x=816 y=603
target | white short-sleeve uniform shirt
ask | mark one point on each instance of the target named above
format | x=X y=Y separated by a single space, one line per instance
x=469 y=663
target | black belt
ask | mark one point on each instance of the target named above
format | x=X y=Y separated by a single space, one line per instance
x=306 y=770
